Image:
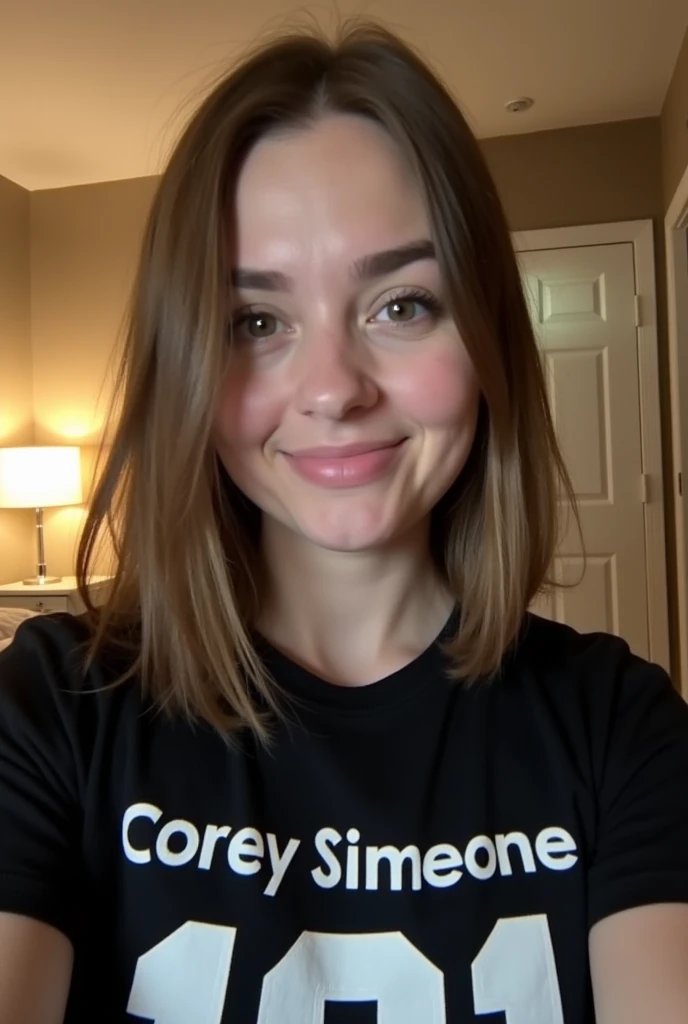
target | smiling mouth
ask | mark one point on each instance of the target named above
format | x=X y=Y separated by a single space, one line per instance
x=346 y=466
x=346 y=451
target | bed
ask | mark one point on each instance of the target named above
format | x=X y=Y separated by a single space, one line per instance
x=10 y=619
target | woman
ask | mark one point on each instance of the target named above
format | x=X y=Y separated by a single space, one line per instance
x=314 y=762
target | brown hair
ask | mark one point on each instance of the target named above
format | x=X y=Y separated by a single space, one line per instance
x=185 y=591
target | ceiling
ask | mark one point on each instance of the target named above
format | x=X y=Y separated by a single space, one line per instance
x=94 y=90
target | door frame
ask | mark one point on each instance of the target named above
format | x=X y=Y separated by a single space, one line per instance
x=676 y=238
x=641 y=235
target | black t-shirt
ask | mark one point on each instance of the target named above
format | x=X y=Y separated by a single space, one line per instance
x=415 y=851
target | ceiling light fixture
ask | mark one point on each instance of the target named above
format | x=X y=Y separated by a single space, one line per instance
x=519 y=105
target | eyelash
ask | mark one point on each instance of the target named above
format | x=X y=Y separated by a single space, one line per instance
x=432 y=304
x=423 y=298
x=250 y=313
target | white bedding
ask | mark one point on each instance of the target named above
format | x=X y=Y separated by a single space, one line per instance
x=10 y=618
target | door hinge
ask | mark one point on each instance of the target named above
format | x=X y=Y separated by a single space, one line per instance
x=638 y=318
x=680 y=485
x=645 y=488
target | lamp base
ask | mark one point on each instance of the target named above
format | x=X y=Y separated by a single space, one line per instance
x=38 y=581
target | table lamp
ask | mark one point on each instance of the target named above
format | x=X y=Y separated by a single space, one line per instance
x=40 y=477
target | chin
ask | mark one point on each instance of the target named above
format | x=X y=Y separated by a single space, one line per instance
x=350 y=533
x=349 y=543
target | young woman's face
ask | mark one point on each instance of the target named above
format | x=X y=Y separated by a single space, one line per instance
x=349 y=404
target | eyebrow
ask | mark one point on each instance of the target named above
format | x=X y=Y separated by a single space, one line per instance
x=367 y=268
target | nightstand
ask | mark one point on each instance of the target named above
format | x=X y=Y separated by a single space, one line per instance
x=52 y=597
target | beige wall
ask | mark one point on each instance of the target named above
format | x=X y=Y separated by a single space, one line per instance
x=590 y=175
x=84 y=248
x=675 y=126
x=16 y=398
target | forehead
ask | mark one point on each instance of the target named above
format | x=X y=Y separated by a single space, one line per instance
x=339 y=186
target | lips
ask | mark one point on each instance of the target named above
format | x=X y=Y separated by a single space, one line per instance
x=353 y=465
x=344 y=451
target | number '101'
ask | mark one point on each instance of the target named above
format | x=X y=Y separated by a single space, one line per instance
x=184 y=978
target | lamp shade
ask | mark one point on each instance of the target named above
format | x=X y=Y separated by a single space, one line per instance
x=40 y=477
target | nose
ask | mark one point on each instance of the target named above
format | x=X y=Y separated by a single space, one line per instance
x=335 y=376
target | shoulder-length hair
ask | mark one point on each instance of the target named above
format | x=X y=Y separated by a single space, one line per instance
x=186 y=587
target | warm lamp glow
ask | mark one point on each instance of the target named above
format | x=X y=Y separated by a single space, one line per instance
x=40 y=477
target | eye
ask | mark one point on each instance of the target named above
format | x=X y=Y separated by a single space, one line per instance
x=409 y=309
x=256 y=326
x=402 y=310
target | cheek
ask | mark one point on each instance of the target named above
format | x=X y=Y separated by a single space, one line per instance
x=441 y=392
x=248 y=411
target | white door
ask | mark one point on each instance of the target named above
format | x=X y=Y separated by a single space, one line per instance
x=583 y=308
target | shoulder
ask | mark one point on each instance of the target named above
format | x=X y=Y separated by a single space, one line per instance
x=597 y=692
x=56 y=635
x=57 y=646
x=43 y=673
x=546 y=643
x=47 y=652
x=560 y=656
x=593 y=684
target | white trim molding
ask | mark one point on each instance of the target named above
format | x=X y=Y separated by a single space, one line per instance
x=640 y=234
x=676 y=236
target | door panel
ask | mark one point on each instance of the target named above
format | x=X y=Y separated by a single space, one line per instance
x=582 y=303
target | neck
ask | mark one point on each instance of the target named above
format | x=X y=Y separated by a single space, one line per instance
x=351 y=616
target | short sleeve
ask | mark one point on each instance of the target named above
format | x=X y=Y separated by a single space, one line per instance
x=40 y=819
x=641 y=850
